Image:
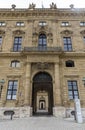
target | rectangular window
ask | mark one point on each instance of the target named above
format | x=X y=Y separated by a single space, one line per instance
x=65 y=24
x=17 y=44
x=20 y=24
x=0 y=40
x=42 y=23
x=73 y=90
x=15 y=64
x=12 y=89
x=2 y=23
x=82 y=23
x=67 y=43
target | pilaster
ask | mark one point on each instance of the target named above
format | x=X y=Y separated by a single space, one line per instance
x=57 y=92
x=27 y=84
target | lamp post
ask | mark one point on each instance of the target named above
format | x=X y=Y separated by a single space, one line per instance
x=83 y=81
x=1 y=86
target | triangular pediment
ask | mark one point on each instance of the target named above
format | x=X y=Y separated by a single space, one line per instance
x=18 y=32
x=66 y=32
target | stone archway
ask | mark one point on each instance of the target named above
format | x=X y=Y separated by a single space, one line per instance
x=42 y=94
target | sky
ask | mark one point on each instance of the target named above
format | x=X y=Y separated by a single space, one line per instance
x=46 y=3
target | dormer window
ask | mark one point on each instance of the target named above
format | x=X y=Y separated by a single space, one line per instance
x=20 y=24
x=42 y=23
x=2 y=24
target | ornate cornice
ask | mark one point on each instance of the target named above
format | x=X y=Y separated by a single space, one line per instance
x=16 y=13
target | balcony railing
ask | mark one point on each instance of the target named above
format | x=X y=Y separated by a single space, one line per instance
x=42 y=49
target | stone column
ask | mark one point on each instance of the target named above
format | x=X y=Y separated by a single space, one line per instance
x=57 y=86
x=27 y=84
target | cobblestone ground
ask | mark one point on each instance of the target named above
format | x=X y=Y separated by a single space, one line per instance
x=41 y=123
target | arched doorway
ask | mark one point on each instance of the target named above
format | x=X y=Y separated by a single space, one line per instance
x=42 y=94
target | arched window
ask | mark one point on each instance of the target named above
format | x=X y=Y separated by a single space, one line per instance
x=42 y=42
x=69 y=63
x=15 y=63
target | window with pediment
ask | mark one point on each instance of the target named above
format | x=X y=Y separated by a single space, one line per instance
x=17 y=44
x=67 y=43
x=42 y=41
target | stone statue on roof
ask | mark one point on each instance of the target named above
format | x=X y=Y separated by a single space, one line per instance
x=32 y=6
x=53 y=6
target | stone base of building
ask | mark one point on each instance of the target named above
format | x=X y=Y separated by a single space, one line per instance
x=59 y=111
x=22 y=112
x=68 y=112
x=19 y=112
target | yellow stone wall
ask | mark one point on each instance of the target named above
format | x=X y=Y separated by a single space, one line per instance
x=56 y=59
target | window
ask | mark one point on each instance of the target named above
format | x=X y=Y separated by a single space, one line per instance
x=82 y=23
x=67 y=43
x=20 y=24
x=15 y=64
x=73 y=90
x=17 y=44
x=42 y=23
x=42 y=40
x=2 y=23
x=84 y=39
x=65 y=24
x=12 y=89
x=69 y=63
x=0 y=40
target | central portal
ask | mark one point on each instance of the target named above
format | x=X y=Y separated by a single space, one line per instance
x=42 y=94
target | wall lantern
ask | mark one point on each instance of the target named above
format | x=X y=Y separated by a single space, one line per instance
x=83 y=81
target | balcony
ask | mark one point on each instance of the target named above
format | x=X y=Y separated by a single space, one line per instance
x=42 y=49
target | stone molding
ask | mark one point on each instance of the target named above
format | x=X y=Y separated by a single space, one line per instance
x=66 y=32
x=18 y=32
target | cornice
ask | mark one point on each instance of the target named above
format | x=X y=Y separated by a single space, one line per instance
x=41 y=12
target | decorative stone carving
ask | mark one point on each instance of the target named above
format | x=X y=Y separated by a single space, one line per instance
x=32 y=6
x=13 y=6
x=18 y=32
x=66 y=32
x=82 y=32
x=42 y=66
x=50 y=37
x=2 y=32
x=53 y=6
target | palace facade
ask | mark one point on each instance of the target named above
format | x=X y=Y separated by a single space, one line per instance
x=42 y=60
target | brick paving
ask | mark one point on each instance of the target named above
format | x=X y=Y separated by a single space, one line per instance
x=41 y=123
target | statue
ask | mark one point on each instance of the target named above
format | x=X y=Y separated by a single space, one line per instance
x=53 y=6
x=32 y=6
